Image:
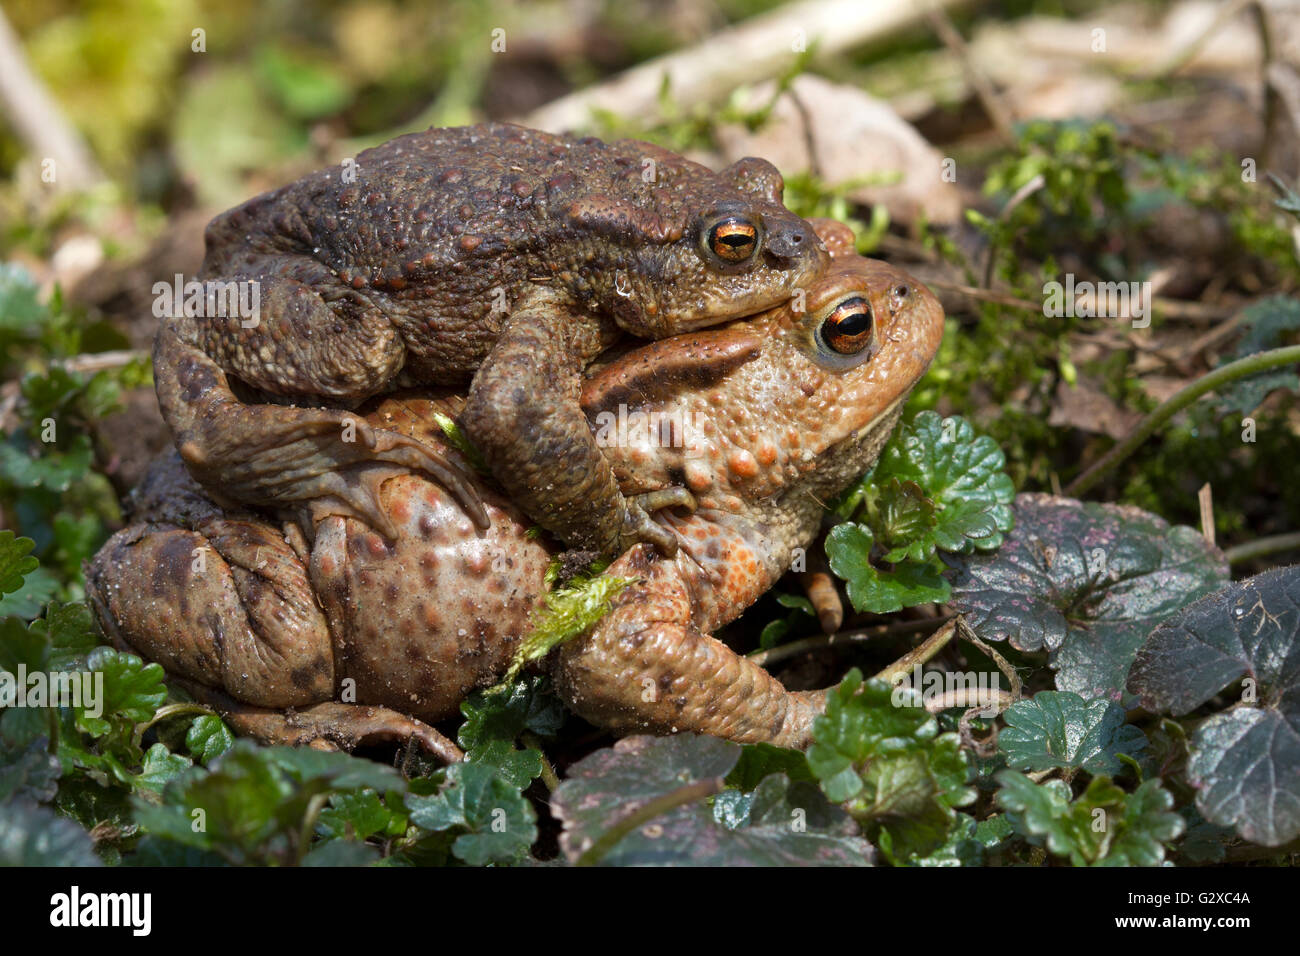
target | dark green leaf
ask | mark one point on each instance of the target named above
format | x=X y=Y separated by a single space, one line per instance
x=33 y=835
x=780 y=823
x=1245 y=760
x=1087 y=582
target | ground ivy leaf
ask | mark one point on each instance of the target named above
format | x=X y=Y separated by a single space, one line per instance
x=341 y=853
x=1087 y=582
x=38 y=588
x=71 y=634
x=133 y=691
x=881 y=755
x=1061 y=729
x=905 y=520
x=759 y=760
x=33 y=835
x=1147 y=826
x=860 y=722
x=161 y=766
x=249 y=806
x=208 y=738
x=359 y=815
x=848 y=546
x=961 y=474
x=333 y=770
x=962 y=848
x=1245 y=760
x=494 y=719
x=498 y=823
x=1103 y=826
x=779 y=823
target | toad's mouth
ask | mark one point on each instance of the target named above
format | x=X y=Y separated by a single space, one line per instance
x=885 y=418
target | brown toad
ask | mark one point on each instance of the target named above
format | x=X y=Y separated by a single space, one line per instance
x=493 y=251
x=764 y=420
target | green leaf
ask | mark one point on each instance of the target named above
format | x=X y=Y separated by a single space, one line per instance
x=1102 y=826
x=360 y=815
x=1265 y=324
x=38 y=588
x=71 y=633
x=761 y=760
x=496 y=824
x=848 y=546
x=16 y=562
x=161 y=766
x=904 y=519
x=132 y=692
x=53 y=470
x=494 y=720
x=250 y=805
x=1245 y=759
x=341 y=853
x=967 y=496
x=1060 y=729
x=882 y=756
x=1086 y=582
x=20 y=306
x=208 y=738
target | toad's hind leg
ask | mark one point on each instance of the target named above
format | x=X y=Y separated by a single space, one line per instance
x=325 y=726
x=285 y=455
x=230 y=614
x=229 y=606
x=646 y=668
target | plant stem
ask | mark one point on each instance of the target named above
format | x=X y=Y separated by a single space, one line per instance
x=1261 y=547
x=171 y=710
x=660 y=805
x=919 y=654
x=774 y=655
x=1233 y=371
x=549 y=777
x=314 y=807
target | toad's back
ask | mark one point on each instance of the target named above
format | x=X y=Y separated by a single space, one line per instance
x=427 y=208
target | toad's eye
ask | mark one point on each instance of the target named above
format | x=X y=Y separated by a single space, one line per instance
x=733 y=239
x=847 y=330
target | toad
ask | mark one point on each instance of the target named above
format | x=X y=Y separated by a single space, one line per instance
x=493 y=254
x=353 y=637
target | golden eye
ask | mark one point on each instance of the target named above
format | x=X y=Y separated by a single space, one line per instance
x=848 y=328
x=733 y=239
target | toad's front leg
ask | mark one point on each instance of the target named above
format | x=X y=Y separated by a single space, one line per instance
x=523 y=413
x=646 y=667
x=298 y=345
